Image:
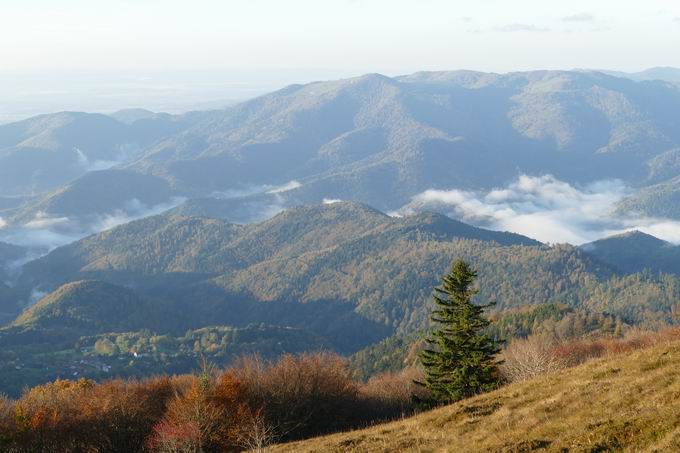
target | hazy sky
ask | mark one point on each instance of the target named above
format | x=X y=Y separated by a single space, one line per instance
x=361 y=35
x=259 y=44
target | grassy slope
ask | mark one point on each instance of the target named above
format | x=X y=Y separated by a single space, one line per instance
x=620 y=403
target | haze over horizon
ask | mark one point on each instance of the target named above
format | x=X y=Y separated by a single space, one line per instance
x=177 y=56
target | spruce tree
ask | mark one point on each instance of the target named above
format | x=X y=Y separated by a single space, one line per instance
x=460 y=358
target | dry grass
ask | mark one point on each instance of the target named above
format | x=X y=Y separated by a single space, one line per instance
x=621 y=402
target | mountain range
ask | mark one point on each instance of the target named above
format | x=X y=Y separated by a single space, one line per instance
x=344 y=263
x=343 y=275
x=373 y=139
x=132 y=231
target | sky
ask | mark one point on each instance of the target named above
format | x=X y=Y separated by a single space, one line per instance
x=106 y=53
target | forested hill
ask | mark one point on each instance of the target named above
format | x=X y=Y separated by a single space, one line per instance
x=346 y=264
x=341 y=276
x=190 y=245
x=636 y=251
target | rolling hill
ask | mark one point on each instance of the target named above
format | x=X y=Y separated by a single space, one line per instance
x=396 y=137
x=217 y=268
x=381 y=140
x=669 y=74
x=343 y=275
x=657 y=200
x=339 y=268
x=618 y=403
x=89 y=307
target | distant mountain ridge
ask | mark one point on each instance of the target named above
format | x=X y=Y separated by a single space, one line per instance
x=668 y=74
x=380 y=140
x=373 y=139
x=44 y=152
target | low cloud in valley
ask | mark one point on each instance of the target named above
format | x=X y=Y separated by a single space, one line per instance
x=44 y=232
x=546 y=209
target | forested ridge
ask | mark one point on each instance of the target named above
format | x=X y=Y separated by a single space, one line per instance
x=342 y=276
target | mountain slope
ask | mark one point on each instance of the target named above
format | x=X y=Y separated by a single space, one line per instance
x=97 y=193
x=373 y=139
x=46 y=151
x=657 y=200
x=620 y=403
x=334 y=268
x=343 y=267
x=342 y=260
x=381 y=140
x=88 y=307
x=635 y=251
x=9 y=303
x=9 y=252
x=668 y=74
x=165 y=244
x=9 y=255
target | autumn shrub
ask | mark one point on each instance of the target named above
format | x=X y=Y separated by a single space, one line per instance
x=300 y=396
x=48 y=418
x=76 y=416
x=6 y=422
x=122 y=414
x=392 y=395
x=192 y=422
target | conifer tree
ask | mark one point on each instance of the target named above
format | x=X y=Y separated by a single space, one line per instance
x=460 y=358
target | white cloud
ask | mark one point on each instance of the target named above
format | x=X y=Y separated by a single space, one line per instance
x=546 y=209
x=35 y=296
x=132 y=210
x=249 y=190
x=43 y=221
x=331 y=200
x=125 y=152
x=44 y=233
x=514 y=28
x=580 y=17
x=3 y=223
x=286 y=187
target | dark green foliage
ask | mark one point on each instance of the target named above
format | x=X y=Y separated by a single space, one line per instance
x=344 y=272
x=555 y=320
x=460 y=359
x=635 y=251
x=34 y=356
x=389 y=355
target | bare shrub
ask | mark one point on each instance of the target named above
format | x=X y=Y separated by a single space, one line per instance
x=255 y=434
x=530 y=357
